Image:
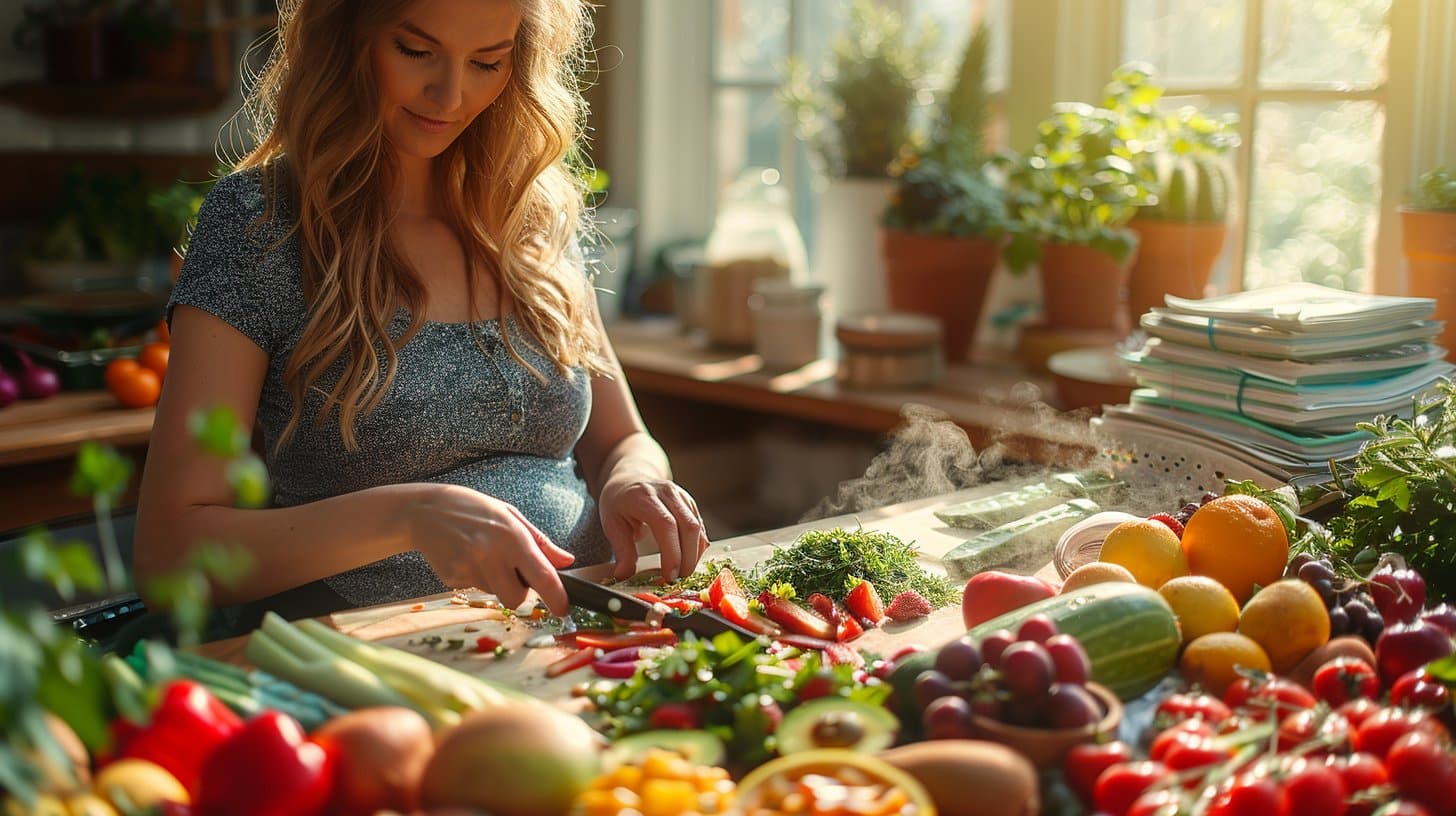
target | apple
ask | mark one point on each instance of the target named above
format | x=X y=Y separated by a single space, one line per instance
x=1399 y=593
x=1407 y=646
x=993 y=593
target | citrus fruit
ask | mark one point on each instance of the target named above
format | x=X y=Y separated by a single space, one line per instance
x=1148 y=549
x=132 y=385
x=1210 y=661
x=1238 y=541
x=1201 y=604
x=154 y=356
x=1097 y=572
x=1288 y=619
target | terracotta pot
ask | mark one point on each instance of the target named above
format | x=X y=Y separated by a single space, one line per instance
x=942 y=276
x=1428 y=240
x=1173 y=258
x=1083 y=288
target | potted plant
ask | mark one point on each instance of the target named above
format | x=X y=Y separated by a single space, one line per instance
x=76 y=37
x=943 y=232
x=1181 y=232
x=98 y=236
x=1071 y=198
x=167 y=51
x=175 y=211
x=1428 y=241
x=855 y=115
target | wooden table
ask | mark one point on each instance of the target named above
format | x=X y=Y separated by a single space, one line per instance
x=404 y=625
x=38 y=444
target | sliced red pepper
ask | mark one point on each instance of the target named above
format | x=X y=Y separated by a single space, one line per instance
x=611 y=641
x=187 y=724
x=648 y=597
x=864 y=602
x=849 y=628
x=794 y=618
x=735 y=609
x=725 y=584
x=684 y=605
x=572 y=662
x=486 y=645
x=269 y=768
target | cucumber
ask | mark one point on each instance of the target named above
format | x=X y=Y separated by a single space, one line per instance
x=1128 y=630
x=1017 y=546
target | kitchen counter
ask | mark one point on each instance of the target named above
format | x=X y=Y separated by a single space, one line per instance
x=405 y=625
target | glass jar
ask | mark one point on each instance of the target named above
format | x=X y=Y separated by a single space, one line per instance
x=786 y=323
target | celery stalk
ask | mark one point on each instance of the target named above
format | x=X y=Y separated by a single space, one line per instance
x=281 y=650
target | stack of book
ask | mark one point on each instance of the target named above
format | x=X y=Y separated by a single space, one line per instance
x=1279 y=377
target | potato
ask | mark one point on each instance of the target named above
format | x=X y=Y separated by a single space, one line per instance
x=379 y=757
x=970 y=777
x=1346 y=646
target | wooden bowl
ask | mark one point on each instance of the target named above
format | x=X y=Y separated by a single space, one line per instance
x=1046 y=747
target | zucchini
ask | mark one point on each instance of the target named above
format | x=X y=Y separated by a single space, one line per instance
x=1128 y=630
x=1021 y=546
x=1002 y=508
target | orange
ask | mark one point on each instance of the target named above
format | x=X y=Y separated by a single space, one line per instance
x=154 y=356
x=119 y=369
x=1148 y=549
x=1211 y=661
x=1288 y=619
x=1239 y=542
x=1097 y=572
x=135 y=387
x=1201 y=604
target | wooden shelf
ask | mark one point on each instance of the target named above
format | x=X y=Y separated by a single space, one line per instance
x=123 y=99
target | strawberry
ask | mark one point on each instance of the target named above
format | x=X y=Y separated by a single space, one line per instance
x=725 y=584
x=841 y=654
x=908 y=605
x=848 y=629
x=821 y=603
x=1172 y=523
x=864 y=603
x=794 y=618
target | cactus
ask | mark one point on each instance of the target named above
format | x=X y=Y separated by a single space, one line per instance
x=1192 y=187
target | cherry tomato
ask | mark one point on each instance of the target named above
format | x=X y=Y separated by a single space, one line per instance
x=154 y=356
x=1180 y=707
x=1404 y=807
x=132 y=385
x=1359 y=710
x=1194 y=752
x=1344 y=679
x=1359 y=772
x=1275 y=695
x=1119 y=786
x=1313 y=723
x=1423 y=769
x=1084 y=763
x=1183 y=731
x=1381 y=731
x=1312 y=789
x=1156 y=803
x=1250 y=794
x=1416 y=689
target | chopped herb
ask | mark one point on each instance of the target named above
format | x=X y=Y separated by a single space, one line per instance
x=831 y=561
x=455 y=643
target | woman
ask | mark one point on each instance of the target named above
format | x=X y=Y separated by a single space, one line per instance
x=385 y=286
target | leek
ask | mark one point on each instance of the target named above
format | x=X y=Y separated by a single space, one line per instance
x=283 y=651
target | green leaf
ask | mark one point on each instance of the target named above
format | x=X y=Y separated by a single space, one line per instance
x=64 y=567
x=1443 y=669
x=218 y=432
x=248 y=477
x=100 y=471
x=1398 y=491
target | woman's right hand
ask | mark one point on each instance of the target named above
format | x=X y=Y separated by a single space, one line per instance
x=474 y=539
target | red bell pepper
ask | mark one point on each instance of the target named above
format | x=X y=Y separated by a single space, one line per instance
x=187 y=725
x=267 y=769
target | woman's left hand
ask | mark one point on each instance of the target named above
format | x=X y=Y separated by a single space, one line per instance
x=663 y=507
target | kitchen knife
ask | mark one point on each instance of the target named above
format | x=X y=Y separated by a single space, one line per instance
x=617 y=604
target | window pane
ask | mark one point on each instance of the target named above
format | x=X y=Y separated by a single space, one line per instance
x=749 y=130
x=1324 y=43
x=1192 y=43
x=753 y=38
x=1316 y=196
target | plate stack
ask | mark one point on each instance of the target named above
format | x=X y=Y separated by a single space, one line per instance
x=1278 y=378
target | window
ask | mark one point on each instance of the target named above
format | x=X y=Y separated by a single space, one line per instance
x=1308 y=80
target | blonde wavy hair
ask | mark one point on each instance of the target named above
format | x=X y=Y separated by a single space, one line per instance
x=513 y=201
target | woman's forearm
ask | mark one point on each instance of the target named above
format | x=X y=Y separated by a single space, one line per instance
x=289 y=546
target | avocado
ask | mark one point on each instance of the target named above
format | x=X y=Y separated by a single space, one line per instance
x=837 y=722
x=697 y=747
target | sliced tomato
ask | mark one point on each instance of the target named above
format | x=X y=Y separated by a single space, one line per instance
x=795 y=618
x=611 y=641
x=724 y=585
x=576 y=660
x=735 y=609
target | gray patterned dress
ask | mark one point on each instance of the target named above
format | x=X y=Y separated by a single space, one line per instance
x=461 y=410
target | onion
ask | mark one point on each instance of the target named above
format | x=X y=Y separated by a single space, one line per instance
x=9 y=388
x=36 y=382
x=379 y=757
x=619 y=664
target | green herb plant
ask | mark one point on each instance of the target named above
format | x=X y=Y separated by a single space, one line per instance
x=1437 y=190
x=47 y=668
x=856 y=112
x=738 y=689
x=833 y=561
x=1403 y=492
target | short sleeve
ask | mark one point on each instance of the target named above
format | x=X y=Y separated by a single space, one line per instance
x=235 y=267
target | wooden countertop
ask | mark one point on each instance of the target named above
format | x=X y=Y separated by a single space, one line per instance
x=54 y=428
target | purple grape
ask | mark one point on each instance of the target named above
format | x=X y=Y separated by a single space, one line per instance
x=1314 y=571
x=959 y=659
x=1037 y=628
x=1070 y=706
x=1356 y=613
x=1027 y=670
x=994 y=644
x=948 y=718
x=1070 y=659
x=1374 y=626
x=1339 y=621
x=931 y=685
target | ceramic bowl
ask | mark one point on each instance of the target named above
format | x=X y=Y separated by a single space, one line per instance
x=1045 y=747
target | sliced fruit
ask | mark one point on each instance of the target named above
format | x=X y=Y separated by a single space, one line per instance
x=837 y=722
x=735 y=609
x=833 y=775
x=795 y=618
x=725 y=584
x=697 y=747
x=864 y=603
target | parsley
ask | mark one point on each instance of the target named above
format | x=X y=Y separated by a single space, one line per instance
x=831 y=562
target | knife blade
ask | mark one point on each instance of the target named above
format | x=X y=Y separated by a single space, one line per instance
x=598 y=598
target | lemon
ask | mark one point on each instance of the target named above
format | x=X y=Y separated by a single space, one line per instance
x=1201 y=604
x=1097 y=572
x=1148 y=549
x=1211 y=661
x=1288 y=619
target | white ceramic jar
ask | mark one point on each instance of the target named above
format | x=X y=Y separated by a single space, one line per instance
x=786 y=322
